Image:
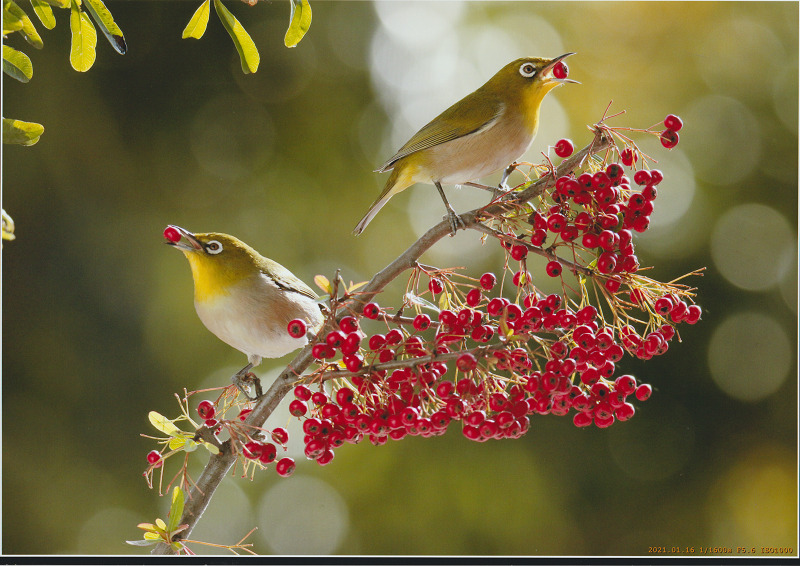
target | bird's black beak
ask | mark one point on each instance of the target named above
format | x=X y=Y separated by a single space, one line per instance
x=182 y=239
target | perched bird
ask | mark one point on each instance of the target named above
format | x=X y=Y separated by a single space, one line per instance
x=484 y=132
x=245 y=299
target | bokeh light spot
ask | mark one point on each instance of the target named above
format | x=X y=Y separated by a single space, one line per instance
x=303 y=515
x=752 y=245
x=749 y=356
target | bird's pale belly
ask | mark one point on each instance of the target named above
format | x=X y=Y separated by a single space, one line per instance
x=471 y=157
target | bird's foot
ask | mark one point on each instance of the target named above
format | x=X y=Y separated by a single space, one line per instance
x=455 y=221
x=242 y=381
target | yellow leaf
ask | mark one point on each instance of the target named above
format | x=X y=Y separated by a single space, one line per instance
x=84 y=40
x=248 y=53
x=177 y=442
x=161 y=524
x=299 y=22
x=356 y=286
x=163 y=424
x=197 y=25
x=323 y=283
x=210 y=447
x=45 y=13
x=152 y=536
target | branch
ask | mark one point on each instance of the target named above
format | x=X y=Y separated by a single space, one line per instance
x=219 y=465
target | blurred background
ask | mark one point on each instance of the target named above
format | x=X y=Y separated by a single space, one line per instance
x=99 y=326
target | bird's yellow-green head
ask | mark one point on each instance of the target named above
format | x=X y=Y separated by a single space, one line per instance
x=218 y=261
x=523 y=83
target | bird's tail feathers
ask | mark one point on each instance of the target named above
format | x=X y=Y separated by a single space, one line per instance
x=393 y=186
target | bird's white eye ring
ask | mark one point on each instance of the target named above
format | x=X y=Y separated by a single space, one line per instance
x=213 y=247
x=527 y=70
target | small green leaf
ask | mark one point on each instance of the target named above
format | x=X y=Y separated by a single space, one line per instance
x=45 y=13
x=176 y=509
x=163 y=424
x=444 y=301
x=22 y=133
x=197 y=25
x=299 y=22
x=84 y=40
x=59 y=3
x=108 y=26
x=16 y=64
x=248 y=53
x=15 y=19
x=210 y=447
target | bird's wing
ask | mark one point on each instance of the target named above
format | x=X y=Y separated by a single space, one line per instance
x=284 y=278
x=472 y=114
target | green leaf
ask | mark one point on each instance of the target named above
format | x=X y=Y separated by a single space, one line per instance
x=16 y=64
x=163 y=424
x=197 y=25
x=248 y=53
x=22 y=133
x=45 y=13
x=8 y=226
x=299 y=22
x=84 y=40
x=58 y=3
x=176 y=509
x=15 y=19
x=108 y=26
x=210 y=447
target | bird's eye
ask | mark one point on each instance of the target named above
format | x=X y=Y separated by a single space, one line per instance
x=527 y=70
x=213 y=247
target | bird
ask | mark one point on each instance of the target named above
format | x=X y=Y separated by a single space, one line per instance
x=246 y=299
x=485 y=131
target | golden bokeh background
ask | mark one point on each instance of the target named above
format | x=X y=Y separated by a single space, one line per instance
x=99 y=327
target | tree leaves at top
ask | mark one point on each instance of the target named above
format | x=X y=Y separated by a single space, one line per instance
x=299 y=22
x=248 y=52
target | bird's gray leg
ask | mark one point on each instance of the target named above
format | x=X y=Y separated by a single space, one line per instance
x=452 y=217
x=510 y=169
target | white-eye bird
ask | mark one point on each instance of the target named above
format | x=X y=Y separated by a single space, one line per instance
x=485 y=131
x=244 y=298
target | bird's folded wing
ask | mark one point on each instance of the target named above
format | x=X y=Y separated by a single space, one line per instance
x=285 y=279
x=470 y=115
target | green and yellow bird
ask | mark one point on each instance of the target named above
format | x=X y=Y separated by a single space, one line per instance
x=483 y=132
x=244 y=298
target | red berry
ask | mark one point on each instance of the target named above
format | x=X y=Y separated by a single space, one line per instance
x=335 y=339
x=474 y=296
x=372 y=310
x=252 y=450
x=560 y=70
x=297 y=408
x=553 y=268
x=285 y=467
x=206 y=410
x=488 y=281
x=521 y=278
x=297 y=328
x=268 y=453
x=172 y=234
x=244 y=413
x=538 y=237
x=321 y=351
x=353 y=362
x=435 y=286
x=280 y=435
x=319 y=398
x=564 y=147
x=642 y=177
x=656 y=176
x=628 y=157
x=422 y=322
x=693 y=313
x=348 y=324
x=669 y=138
x=302 y=392
x=154 y=457
x=519 y=252
x=673 y=122
x=612 y=285
x=466 y=362
x=643 y=392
